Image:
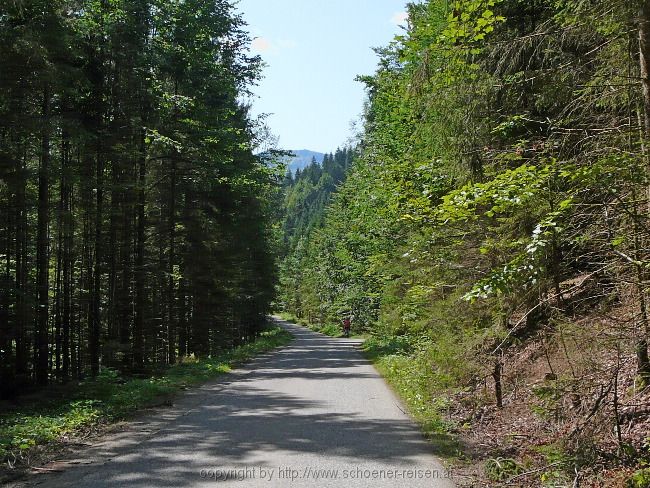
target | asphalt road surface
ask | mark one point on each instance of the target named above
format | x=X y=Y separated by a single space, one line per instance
x=314 y=413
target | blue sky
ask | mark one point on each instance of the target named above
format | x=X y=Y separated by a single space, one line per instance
x=314 y=49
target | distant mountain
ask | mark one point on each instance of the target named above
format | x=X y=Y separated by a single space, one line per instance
x=302 y=158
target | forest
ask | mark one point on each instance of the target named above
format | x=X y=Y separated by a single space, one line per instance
x=135 y=216
x=486 y=231
x=491 y=237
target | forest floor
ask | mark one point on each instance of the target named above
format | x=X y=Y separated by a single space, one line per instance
x=573 y=412
x=36 y=427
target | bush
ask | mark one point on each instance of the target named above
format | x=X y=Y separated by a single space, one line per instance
x=501 y=469
x=640 y=479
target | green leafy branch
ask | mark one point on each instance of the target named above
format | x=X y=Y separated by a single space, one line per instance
x=510 y=189
x=528 y=267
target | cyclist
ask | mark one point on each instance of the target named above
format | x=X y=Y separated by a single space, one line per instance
x=346 y=326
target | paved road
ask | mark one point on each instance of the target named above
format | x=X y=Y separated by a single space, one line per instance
x=312 y=414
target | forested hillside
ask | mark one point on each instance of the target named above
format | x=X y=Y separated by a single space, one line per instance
x=135 y=221
x=493 y=235
x=308 y=191
x=302 y=158
x=307 y=196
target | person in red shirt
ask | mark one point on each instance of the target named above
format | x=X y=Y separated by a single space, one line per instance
x=346 y=326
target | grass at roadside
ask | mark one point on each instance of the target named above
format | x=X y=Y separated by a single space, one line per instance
x=408 y=371
x=111 y=397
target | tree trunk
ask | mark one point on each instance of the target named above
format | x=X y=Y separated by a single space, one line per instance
x=138 y=326
x=58 y=285
x=42 y=265
x=171 y=292
x=67 y=256
x=182 y=319
x=124 y=295
x=496 y=374
x=86 y=278
x=6 y=380
x=95 y=306
x=21 y=273
x=644 y=60
x=112 y=314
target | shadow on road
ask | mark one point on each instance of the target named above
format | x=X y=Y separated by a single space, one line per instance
x=292 y=404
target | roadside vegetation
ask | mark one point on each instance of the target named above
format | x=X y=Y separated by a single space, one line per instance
x=74 y=411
